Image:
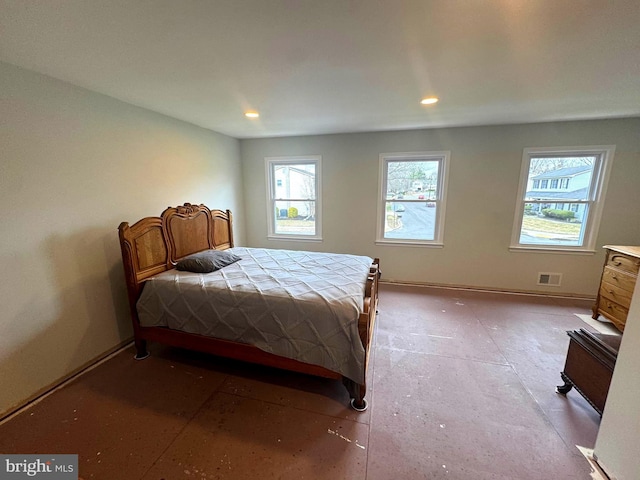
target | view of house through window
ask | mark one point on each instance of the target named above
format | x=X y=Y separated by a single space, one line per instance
x=558 y=198
x=293 y=196
x=413 y=198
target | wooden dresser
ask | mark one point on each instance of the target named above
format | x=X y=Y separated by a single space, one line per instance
x=617 y=283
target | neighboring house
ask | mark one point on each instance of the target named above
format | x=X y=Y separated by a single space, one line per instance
x=561 y=187
x=295 y=184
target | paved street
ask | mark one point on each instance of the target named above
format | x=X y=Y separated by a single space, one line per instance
x=417 y=222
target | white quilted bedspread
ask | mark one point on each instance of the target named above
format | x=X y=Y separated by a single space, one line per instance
x=300 y=305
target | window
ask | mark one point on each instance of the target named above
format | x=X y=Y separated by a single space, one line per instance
x=293 y=197
x=554 y=183
x=412 y=198
x=565 y=219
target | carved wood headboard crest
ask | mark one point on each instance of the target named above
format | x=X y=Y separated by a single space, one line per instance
x=187 y=209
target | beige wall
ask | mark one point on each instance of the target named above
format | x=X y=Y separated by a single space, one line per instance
x=483 y=181
x=73 y=165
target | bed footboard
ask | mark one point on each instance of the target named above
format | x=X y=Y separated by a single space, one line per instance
x=366 y=327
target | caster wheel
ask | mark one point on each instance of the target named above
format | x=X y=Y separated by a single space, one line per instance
x=360 y=408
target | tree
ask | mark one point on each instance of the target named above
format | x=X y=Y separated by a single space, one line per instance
x=402 y=174
x=308 y=190
x=549 y=164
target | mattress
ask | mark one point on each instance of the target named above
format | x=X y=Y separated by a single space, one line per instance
x=296 y=304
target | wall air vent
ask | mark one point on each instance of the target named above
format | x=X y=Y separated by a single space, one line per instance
x=549 y=279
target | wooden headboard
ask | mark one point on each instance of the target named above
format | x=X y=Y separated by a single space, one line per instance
x=155 y=244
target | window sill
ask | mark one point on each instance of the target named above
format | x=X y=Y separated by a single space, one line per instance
x=294 y=238
x=408 y=243
x=554 y=250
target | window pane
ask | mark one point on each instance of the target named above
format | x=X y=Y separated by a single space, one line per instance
x=547 y=224
x=411 y=207
x=560 y=178
x=412 y=179
x=565 y=214
x=410 y=220
x=295 y=218
x=295 y=181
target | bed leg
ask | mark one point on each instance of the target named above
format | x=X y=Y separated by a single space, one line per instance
x=141 y=349
x=357 y=392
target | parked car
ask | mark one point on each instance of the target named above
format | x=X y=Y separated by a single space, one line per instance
x=431 y=204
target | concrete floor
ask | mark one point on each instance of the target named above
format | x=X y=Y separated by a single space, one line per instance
x=462 y=386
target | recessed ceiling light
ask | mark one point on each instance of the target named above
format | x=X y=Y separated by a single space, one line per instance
x=429 y=100
x=251 y=114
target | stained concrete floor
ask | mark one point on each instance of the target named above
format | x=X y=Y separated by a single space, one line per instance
x=462 y=386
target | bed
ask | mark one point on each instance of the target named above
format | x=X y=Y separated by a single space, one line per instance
x=307 y=312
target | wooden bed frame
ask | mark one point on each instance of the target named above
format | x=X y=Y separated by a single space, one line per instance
x=155 y=244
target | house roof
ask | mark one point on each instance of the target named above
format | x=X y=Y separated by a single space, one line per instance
x=566 y=195
x=563 y=172
x=337 y=66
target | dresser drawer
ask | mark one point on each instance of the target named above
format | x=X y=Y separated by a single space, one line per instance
x=619 y=279
x=618 y=282
x=623 y=262
x=616 y=294
x=614 y=312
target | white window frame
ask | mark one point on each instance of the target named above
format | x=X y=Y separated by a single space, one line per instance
x=270 y=164
x=595 y=200
x=441 y=201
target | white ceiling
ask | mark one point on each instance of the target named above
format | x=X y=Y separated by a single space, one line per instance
x=327 y=66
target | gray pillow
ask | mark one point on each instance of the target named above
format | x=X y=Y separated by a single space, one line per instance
x=207 y=261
